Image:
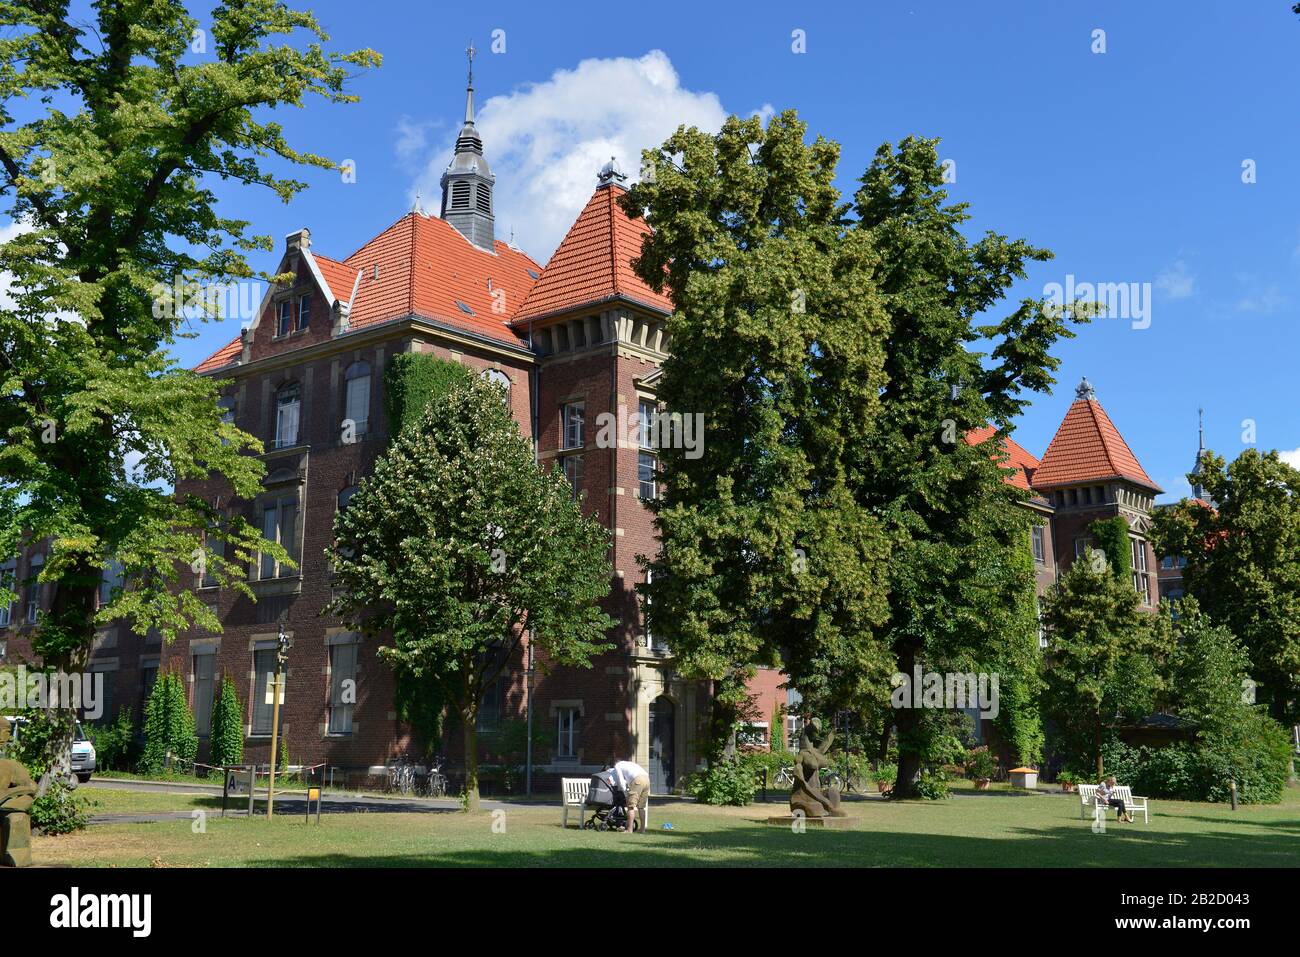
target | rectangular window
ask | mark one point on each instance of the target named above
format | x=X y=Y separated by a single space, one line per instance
x=107 y=681
x=110 y=579
x=1042 y=629
x=569 y=731
x=573 y=472
x=286 y=316
x=646 y=464
x=34 y=588
x=1039 y=534
x=286 y=422
x=574 y=425
x=217 y=547
x=148 y=675
x=304 y=312
x=204 y=675
x=8 y=576
x=1081 y=546
x=343 y=687
x=279 y=525
x=490 y=709
x=1141 y=579
x=358 y=402
x=646 y=425
x=263 y=706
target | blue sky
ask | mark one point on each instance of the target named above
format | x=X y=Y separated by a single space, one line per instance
x=1127 y=163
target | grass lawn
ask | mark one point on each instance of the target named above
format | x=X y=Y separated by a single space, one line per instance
x=967 y=830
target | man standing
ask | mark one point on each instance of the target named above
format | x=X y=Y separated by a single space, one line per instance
x=635 y=782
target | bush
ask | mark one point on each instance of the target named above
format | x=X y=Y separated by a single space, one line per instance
x=980 y=763
x=932 y=785
x=227 y=742
x=887 y=772
x=60 y=810
x=115 y=744
x=756 y=762
x=168 y=725
x=1256 y=752
x=726 y=783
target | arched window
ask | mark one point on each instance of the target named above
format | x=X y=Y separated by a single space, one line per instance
x=498 y=378
x=357 y=404
x=345 y=496
x=288 y=402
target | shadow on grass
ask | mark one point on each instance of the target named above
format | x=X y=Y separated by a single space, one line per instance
x=754 y=845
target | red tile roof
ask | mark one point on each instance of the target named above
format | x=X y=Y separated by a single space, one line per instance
x=594 y=262
x=427 y=268
x=1016 y=457
x=1088 y=448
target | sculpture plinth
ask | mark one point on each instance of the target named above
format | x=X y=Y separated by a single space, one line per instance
x=17 y=791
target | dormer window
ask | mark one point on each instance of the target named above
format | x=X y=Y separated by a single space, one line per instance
x=286 y=317
x=304 y=312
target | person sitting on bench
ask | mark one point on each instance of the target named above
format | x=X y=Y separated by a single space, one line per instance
x=1106 y=796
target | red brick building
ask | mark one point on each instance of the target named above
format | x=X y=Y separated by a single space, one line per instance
x=575 y=340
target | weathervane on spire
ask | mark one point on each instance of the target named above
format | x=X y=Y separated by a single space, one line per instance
x=470 y=54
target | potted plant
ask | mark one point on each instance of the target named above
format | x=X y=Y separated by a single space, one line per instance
x=981 y=766
x=1066 y=780
x=885 y=775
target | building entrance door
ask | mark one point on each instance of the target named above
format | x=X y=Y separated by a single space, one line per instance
x=662 y=736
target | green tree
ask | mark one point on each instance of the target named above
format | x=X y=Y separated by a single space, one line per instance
x=1243 y=564
x=111 y=182
x=1106 y=656
x=169 y=727
x=227 y=737
x=961 y=589
x=459 y=544
x=765 y=558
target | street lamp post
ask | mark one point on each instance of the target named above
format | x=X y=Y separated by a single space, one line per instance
x=277 y=692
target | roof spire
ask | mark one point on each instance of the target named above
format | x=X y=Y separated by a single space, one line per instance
x=416 y=207
x=1085 y=391
x=1198 y=490
x=469 y=86
x=611 y=172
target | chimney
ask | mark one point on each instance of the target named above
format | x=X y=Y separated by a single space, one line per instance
x=298 y=241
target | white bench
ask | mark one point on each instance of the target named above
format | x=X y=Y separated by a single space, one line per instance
x=575 y=795
x=1088 y=796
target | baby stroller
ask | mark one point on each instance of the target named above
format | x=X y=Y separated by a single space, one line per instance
x=607 y=802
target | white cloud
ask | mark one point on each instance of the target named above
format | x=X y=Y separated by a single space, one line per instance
x=546 y=141
x=1291 y=458
x=7 y=232
x=1176 y=282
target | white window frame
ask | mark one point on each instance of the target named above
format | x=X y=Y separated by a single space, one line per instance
x=34 y=588
x=356 y=401
x=284 y=319
x=573 y=420
x=288 y=411
x=342 y=716
x=647 y=488
x=269 y=567
x=568 y=731
x=573 y=471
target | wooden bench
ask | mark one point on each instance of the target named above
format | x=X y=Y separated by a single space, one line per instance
x=1088 y=797
x=575 y=795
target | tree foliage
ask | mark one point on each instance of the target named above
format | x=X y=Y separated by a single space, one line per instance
x=112 y=132
x=838 y=522
x=458 y=544
x=1106 y=658
x=1243 y=563
x=227 y=738
x=169 y=727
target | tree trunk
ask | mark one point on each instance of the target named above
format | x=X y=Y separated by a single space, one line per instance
x=1101 y=770
x=469 y=721
x=907 y=720
x=64 y=641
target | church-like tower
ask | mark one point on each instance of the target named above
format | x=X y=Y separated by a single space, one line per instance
x=468 y=181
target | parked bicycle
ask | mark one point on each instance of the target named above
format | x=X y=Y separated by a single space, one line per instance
x=435 y=783
x=401 y=778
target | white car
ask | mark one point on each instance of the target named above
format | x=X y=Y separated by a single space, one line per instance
x=82 y=759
